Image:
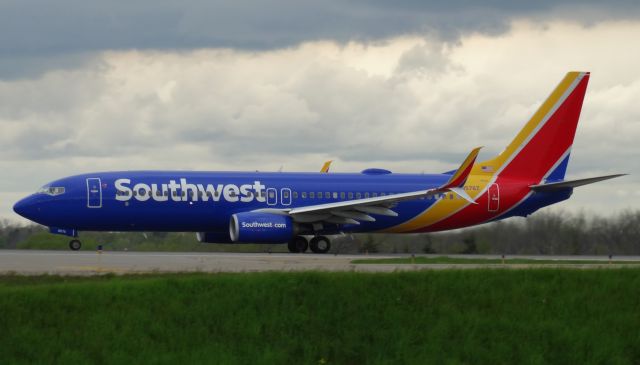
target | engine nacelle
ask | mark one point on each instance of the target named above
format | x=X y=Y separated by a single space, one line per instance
x=261 y=228
x=213 y=237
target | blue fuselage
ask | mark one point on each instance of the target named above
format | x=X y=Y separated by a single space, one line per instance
x=186 y=201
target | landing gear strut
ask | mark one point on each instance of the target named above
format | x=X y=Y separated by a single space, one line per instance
x=75 y=245
x=320 y=244
x=298 y=244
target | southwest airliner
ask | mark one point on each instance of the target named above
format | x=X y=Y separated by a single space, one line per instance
x=302 y=209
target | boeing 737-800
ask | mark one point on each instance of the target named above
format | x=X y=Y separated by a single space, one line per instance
x=302 y=209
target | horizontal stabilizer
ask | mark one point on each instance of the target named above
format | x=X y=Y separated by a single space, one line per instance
x=554 y=186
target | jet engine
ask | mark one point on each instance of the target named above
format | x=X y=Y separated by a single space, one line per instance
x=259 y=227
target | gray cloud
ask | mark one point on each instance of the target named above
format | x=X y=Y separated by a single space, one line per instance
x=408 y=104
x=34 y=31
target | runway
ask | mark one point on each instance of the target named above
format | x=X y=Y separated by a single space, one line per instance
x=31 y=262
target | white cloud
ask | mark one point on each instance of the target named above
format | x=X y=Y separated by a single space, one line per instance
x=408 y=104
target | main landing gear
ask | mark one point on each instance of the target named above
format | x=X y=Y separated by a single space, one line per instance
x=318 y=244
x=75 y=245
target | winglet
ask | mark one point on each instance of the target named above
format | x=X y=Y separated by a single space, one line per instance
x=458 y=179
x=325 y=167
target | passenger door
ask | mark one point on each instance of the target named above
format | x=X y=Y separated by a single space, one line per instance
x=94 y=192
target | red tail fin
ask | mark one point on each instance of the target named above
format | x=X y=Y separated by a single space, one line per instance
x=545 y=141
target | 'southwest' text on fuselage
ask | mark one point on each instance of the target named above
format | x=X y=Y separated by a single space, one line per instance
x=184 y=191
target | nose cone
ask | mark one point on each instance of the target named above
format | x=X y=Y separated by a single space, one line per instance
x=25 y=207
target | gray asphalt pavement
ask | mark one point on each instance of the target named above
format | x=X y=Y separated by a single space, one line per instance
x=91 y=263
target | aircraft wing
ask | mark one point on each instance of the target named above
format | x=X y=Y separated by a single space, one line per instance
x=554 y=186
x=358 y=210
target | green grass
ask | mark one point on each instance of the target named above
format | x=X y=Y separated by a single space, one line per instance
x=444 y=317
x=475 y=261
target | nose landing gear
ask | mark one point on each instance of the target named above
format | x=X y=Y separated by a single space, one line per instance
x=75 y=245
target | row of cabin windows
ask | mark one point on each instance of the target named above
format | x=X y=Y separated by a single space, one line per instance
x=349 y=195
x=333 y=195
x=325 y=195
x=285 y=194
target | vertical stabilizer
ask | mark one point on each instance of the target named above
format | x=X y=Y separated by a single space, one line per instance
x=541 y=149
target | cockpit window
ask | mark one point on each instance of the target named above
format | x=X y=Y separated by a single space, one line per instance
x=51 y=190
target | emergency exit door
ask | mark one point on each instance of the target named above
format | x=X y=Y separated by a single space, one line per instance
x=272 y=196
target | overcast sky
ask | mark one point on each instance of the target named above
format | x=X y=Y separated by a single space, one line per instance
x=410 y=86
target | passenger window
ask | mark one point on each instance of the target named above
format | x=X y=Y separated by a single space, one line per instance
x=312 y=195
x=304 y=195
x=327 y=195
x=285 y=194
x=335 y=195
x=366 y=195
x=350 y=195
x=272 y=194
x=295 y=195
x=342 y=195
x=358 y=195
x=374 y=195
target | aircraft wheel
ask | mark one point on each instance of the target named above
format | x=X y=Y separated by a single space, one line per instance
x=75 y=245
x=320 y=244
x=298 y=244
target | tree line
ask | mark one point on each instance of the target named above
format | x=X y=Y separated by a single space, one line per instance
x=543 y=233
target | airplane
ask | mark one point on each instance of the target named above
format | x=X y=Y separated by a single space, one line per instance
x=303 y=209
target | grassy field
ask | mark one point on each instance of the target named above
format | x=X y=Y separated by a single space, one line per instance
x=446 y=317
x=479 y=260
